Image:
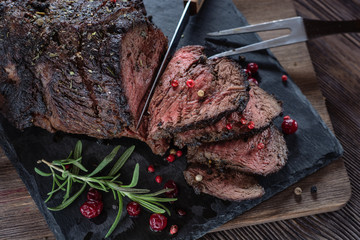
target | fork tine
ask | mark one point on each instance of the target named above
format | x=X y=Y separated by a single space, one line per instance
x=275 y=42
x=266 y=26
x=297 y=34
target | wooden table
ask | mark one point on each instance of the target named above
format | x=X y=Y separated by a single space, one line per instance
x=336 y=62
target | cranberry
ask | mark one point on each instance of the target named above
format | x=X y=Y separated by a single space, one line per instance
x=151 y=169
x=181 y=212
x=173 y=229
x=229 y=126
x=260 y=146
x=284 y=78
x=252 y=67
x=243 y=120
x=171 y=184
x=68 y=166
x=190 y=83
x=94 y=195
x=174 y=83
x=133 y=209
x=289 y=126
x=253 y=80
x=158 y=179
x=170 y=158
x=247 y=72
x=157 y=222
x=179 y=153
x=91 y=209
x=113 y=1
x=251 y=125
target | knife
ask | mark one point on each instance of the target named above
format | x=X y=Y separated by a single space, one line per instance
x=191 y=8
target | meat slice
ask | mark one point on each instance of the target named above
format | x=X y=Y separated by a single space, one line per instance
x=176 y=109
x=81 y=67
x=263 y=153
x=260 y=110
x=230 y=185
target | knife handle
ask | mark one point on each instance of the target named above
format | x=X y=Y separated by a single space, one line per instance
x=195 y=6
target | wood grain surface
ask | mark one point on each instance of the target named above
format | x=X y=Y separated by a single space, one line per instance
x=335 y=59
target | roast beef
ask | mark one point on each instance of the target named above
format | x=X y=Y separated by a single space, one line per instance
x=228 y=185
x=262 y=154
x=177 y=109
x=260 y=110
x=80 y=67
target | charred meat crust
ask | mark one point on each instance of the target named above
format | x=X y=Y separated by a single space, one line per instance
x=63 y=68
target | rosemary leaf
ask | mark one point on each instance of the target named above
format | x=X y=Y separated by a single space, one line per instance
x=121 y=161
x=105 y=162
x=41 y=173
x=165 y=190
x=148 y=205
x=163 y=207
x=68 y=187
x=78 y=149
x=118 y=216
x=53 y=185
x=114 y=193
x=135 y=177
x=126 y=190
x=157 y=199
x=69 y=201
x=61 y=187
x=79 y=165
x=114 y=178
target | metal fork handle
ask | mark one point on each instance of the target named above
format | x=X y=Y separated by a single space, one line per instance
x=318 y=28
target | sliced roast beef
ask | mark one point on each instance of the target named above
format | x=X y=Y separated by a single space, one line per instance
x=81 y=66
x=262 y=154
x=229 y=185
x=260 y=110
x=218 y=89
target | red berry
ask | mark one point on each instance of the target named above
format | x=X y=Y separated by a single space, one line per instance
x=68 y=166
x=174 y=83
x=157 y=222
x=181 y=212
x=243 y=120
x=247 y=72
x=229 y=126
x=289 y=126
x=170 y=158
x=171 y=184
x=113 y=1
x=133 y=209
x=94 y=195
x=253 y=80
x=251 y=125
x=284 y=78
x=252 y=67
x=174 y=229
x=190 y=83
x=151 y=169
x=91 y=209
x=287 y=117
x=260 y=146
x=179 y=153
x=158 y=179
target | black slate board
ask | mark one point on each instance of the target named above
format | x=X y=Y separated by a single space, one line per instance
x=311 y=148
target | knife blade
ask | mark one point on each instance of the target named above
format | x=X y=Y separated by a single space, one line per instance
x=191 y=8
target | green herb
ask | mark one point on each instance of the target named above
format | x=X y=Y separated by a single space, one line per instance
x=63 y=180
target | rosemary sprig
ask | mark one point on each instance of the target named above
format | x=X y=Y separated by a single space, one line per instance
x=63 y=180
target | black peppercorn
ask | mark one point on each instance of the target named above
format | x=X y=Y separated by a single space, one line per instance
x=313 y=189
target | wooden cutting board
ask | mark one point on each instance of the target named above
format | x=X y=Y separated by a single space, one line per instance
x=20 y=218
